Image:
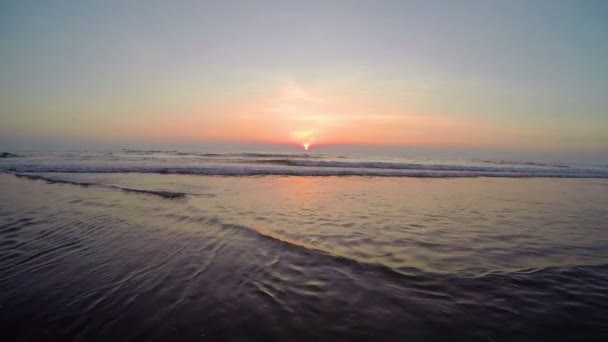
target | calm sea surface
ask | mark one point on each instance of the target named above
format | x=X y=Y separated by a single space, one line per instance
x=157 y=246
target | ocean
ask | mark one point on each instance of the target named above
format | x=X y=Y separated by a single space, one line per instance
x=136 y=245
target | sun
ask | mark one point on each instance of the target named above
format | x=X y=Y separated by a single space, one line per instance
x=304 y=137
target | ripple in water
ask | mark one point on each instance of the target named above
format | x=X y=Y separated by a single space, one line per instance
x=275 y=259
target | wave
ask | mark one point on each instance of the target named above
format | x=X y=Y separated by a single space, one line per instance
x=302 y=246
x=8 y=155
x=54 y=180
x=164 y=194
x=423 y=171
x=413 y=166
x=404 y=271
x=160 y=193
x=506 y=162
x=319 y=252
x=200 y=154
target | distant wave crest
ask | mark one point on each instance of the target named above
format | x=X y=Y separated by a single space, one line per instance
x=399 y=166
x=284 y=164
x=422 y=172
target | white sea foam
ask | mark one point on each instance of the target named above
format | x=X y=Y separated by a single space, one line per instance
x=250 y=164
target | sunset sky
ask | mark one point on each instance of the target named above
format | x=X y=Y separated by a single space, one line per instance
x=477 y=75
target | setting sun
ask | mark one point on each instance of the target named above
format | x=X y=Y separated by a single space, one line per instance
x=306 y=146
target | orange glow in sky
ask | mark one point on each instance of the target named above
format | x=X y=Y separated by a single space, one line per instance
x=302 y=117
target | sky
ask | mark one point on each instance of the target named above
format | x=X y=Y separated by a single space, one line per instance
x=516 y=76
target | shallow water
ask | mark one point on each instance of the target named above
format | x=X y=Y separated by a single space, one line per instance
x=97 y=256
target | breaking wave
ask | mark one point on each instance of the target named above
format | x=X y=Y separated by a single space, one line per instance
x=409 y=166
x=288 y=167
x=284 y=164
